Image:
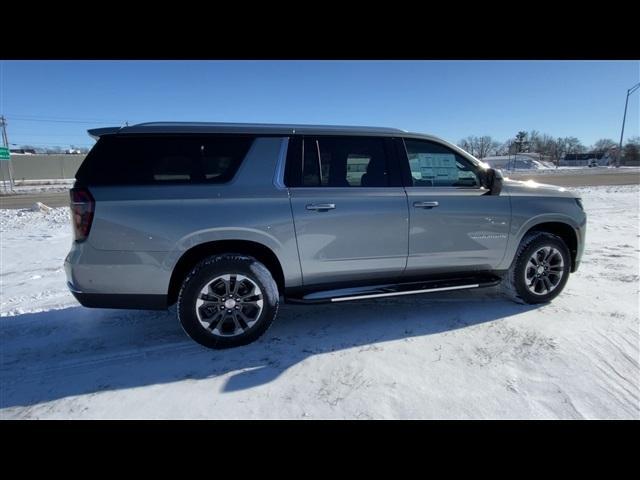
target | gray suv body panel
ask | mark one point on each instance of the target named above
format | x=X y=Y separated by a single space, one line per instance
x=140 y=233
x=467 y=231
x=534 y=204
x=330 y=243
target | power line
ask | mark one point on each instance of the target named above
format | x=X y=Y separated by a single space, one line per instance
x=29 y=134
x=59 y=121
x=62 y=119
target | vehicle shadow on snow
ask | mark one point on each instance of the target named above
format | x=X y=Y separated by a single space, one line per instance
x=79 y=351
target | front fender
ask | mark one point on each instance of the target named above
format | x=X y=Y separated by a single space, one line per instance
x=521 y=224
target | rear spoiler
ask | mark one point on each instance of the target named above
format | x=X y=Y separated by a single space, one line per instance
x=96 y=133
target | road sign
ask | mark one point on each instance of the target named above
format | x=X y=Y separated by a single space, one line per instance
x=4 y=153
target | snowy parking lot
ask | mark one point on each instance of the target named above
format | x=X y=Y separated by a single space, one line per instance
x=460 y=355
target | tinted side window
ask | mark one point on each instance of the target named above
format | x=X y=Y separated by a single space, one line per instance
x=345 y=162
x=163 y=159
x=310 y=166
x=434 y=165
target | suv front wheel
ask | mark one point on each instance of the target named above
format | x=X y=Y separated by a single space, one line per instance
x=227 y=301
x=540 y=269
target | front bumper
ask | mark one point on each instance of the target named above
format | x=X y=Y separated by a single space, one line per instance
x=581 y=234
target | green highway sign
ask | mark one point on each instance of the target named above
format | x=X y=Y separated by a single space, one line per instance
x=4 y=153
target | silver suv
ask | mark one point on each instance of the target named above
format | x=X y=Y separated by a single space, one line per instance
x=227 y=220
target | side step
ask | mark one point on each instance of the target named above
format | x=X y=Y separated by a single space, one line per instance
x=394 y=290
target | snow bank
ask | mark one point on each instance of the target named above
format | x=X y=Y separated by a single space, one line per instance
x=40 y=207
x=33 y=245
x=459 y=355
x=518 y=162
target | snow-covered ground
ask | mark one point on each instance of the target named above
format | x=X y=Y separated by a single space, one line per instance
x=40 y=186
x=578 y=171
x=461 y=355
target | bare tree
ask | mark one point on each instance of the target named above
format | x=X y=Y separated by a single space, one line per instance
x=495 y=147
x=534 y=140
x=574 y=145
x=631 y=151
x=546 y=146
x=559 y=149
x=522 y=143
x=485 y=146
x=603 y=145
x=539 y=143
x=542 y=144
x=479 y=147
x=508 y=147
x=468 y=144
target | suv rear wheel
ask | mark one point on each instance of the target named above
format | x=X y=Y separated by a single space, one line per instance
x=227 y=301
x=540 y=269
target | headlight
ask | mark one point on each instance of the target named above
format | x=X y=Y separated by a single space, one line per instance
x=579 y=202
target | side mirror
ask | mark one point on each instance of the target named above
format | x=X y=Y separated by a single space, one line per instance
x=493 y=181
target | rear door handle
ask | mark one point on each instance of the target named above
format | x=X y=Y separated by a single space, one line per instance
x=425 y=204
x=321 y=206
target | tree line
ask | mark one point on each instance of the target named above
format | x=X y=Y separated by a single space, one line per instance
x=549 y=147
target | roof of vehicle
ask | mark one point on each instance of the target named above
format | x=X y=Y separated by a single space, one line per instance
x=260 y=128
x=263 y=129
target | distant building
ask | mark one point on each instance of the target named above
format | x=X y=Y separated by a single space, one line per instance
x=585 y=159
x=23 y=151
x=572 y=157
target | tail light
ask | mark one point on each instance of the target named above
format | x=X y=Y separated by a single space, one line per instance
x=82 y=207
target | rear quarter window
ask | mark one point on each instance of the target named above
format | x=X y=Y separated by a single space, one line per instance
x=155 y=159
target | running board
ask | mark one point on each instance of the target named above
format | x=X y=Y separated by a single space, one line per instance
x=394 y=290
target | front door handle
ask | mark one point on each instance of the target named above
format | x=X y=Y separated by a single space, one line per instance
x=321 y=206
x=425 y=204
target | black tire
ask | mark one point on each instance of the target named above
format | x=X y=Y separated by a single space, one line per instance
x=513 y=283
x=207 y=270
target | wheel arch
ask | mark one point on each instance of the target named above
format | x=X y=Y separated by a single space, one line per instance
x=195 y=254
x=561 y=229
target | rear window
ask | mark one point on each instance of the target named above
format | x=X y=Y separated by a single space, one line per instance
x=142 y=160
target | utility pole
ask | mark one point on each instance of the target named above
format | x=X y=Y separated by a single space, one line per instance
x=624 y=117
x=5 y=143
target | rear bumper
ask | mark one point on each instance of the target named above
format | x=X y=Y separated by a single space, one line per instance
x=115 y=279
x=119 y=300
